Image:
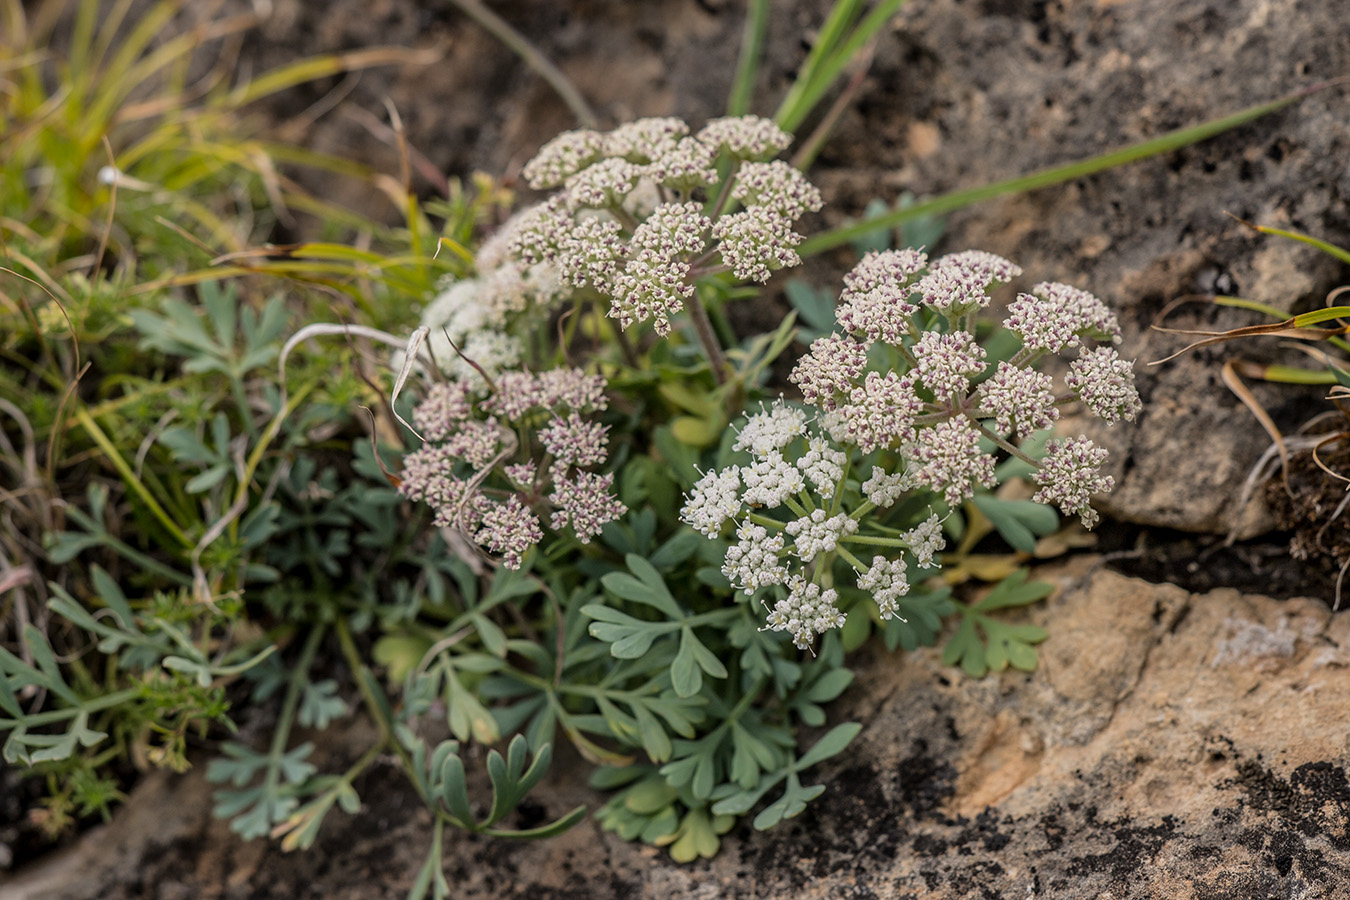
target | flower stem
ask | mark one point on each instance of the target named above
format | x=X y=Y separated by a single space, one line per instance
x=708 y=338
x=1005 y=445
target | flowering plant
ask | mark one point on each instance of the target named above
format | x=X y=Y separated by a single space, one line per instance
x=815 y=507
x=927 y=420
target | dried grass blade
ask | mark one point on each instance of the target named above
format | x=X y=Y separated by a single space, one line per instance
x=1235 y=384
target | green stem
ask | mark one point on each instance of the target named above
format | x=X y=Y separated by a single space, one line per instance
x=766 y=521
x=857 y=564
x=373 y=706
x=107 y=701
x=703 y=328
x=874 y=541
x=1015 y=451
x=282 y=730
x=106 y=445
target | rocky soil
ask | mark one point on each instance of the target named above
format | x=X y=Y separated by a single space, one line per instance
x=1173 y=743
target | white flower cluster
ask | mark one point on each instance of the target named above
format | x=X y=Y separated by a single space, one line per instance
x=791 y=524
x=468 y=321
x=629 y=223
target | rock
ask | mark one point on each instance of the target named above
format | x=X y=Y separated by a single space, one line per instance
x=1169 y=745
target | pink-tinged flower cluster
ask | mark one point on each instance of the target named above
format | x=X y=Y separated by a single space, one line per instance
x=509 y=529
x=745 y=137
x=890 y=298
x=494 y=466
x=1105 y=384
x=875 y=304
x=629 y=221
x=603 y=185
x=947 y=362
x=879 y=413
x=655 y=282
x=993 y=269
x=755 y=242
x=1070 y=474
x=777 y=187
x=1021 y=400
x=827 y=373
x=1055 y=316
x=563 y=157
x=585 y=503
x=645 y=140
x=950 y=461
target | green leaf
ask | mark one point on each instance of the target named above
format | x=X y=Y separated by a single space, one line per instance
x=685 y=675
x=831 y=744
x=681 y=546
x=878 y=238
x=46 y=660
x=453 y=789
x=695 y=837
x=707 y=660
x=1018 y=521
x=320 y=704
x=629 y=638
x=654 y=738
x=792 y=803
x=829 y=686
x=964 y=647
x=696 y=432
x=1014 y=590
x=1004 y=644
x=680 y=457
x=918 y=620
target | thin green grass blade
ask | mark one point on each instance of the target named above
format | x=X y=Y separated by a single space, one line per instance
x=1272 y=312
x=1172 y=140
x=1297 y=375
x=323 y=66
x=124 y=469
x=112 y=19
x=1330 y=249
x=1318 y=316
x=747 y=66
x=1254 y=305
x=127 y=70
x=840 y=18
x=839 y=60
